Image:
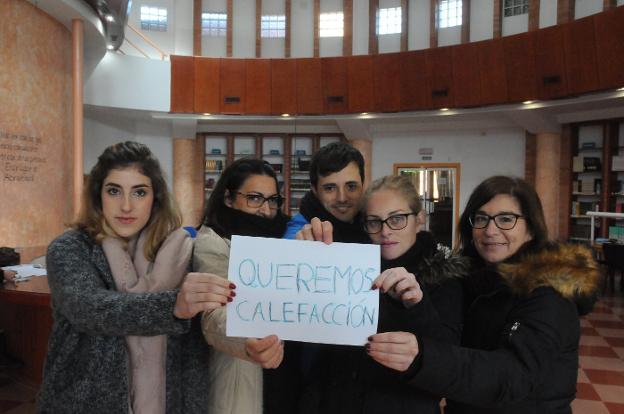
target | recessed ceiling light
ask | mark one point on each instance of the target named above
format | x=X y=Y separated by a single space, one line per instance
x=620 y=89
x=110 y=47
x=528 y=102
x=109 y=17
x=285 y=115
x=206 y=114
x=364 y=113
x=444 y=109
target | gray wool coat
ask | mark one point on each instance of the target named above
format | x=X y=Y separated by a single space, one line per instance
x=86 y=368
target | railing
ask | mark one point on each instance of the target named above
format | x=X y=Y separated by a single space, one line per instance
x=162 y=54
x=593 y=214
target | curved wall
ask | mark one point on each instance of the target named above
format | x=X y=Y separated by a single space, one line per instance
x=35 y=128
x=560 y=61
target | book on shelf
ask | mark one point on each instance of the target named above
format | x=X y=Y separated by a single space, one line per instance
x=591 y=163
x=580 y=208
x=616 y=233
x=588 y=145
x=577 y=164
x=213 y=165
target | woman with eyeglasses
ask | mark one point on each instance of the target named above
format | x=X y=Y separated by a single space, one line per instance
x=524 y=295
x=245 y=201
x=420 y=292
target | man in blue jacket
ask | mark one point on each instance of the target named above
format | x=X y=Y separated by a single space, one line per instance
x=336 y=179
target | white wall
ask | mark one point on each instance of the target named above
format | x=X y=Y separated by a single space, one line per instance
x=419 y=24
x=515 y=24
x=481 y=154
x=244 y=29
x=214 y=46
x=183 y=41
x=302 y=40
x=129 y=82
x=108 y=130
x=548 y=13
x=449 y=36
x=481 y=17
x=330 y=46
x=272 y=48
x=360 y=27
x=584 y=8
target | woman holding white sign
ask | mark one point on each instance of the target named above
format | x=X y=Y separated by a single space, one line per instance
x=521 y=330
x=125 y=339
x=245 y=201
x=420 y=292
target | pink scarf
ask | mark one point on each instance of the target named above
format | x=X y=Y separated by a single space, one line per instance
x=133 y=273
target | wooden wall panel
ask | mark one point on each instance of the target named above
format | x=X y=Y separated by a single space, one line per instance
x=206 y=85
x=258 y=86
x=182 y=85
x=440 y=67
x=387 y=78
x=579 y=44
x=550 y=71
x=493 y=76
x=283 y=86
x=309 y=91
x=466 y=78
x=335 y=86
x=232 y=86
x=415 y=81
x=360 y=72
x=520 y=67
x=609 y=27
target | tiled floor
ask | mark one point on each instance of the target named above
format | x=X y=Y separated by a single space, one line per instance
x=600 y=388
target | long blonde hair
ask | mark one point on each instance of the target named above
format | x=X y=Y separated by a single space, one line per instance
x=164 y=217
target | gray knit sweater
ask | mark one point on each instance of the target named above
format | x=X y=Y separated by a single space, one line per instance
x=86 y=369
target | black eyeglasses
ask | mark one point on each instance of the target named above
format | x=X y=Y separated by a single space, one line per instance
x=255 y=200
x=504 y=221
x=394 y=222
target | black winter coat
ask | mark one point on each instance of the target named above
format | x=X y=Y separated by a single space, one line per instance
x=520 y=340
x=355 y=383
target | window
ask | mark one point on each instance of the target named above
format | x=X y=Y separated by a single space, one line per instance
x=449 y=13
x=331 y=25
x=515 y=7
x=214 y=24
x=273 y=26
x=389 y=21
x=154 y=19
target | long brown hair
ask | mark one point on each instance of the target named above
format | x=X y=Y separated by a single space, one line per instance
x=164 y=217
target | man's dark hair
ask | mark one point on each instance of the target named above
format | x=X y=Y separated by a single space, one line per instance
x=333 y=158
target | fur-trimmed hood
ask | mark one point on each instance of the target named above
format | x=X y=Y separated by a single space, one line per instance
x=442 y=265
x=570 y=269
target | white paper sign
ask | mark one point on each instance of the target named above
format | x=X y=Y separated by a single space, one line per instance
x=303 y=290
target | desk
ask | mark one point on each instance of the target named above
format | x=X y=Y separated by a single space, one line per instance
x=26 y=318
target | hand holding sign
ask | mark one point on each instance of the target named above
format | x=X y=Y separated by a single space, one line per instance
x=267 y=352
x=401 y=285
x=317 y=230
x=303 y=291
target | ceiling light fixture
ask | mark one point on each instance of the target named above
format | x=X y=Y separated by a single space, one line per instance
x=527 y=102
x=110 y=47
x=110 y=18
x=444 y=109
x=285 y=115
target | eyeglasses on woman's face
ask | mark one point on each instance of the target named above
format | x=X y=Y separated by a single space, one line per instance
x=394 y=222
x=255 y=200
x=504 y=221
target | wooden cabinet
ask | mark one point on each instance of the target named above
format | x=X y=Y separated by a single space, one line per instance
x=206 y=84
x=579 y=45
x=232 y=86
x=492 y=74
x=609 y=27
x=387 y=81
x=182 y=87
x=283 y=86
x=440 y=68
x=415 y=81
x=309 y=89
x=466 y=75
x=520 y=67
x=258 y=86
x=335 y=85
x=360 y=72
x=550 y=71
